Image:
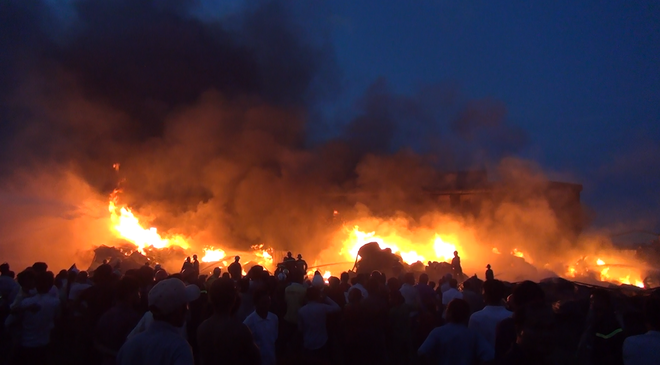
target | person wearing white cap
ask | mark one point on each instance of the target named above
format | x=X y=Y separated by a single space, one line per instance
x=162 y=342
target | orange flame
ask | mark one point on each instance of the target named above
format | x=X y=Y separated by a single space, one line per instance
x=127 y=226
x=213 y=255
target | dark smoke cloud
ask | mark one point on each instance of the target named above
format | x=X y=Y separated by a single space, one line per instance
x=210 y=119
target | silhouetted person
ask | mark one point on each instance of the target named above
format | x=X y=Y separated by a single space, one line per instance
x=187 y=265
x=264 y=327
x=452 y=293
x=344 y=285
x=456 y=265
x=222 y=338
x=602 y=341
x=485 y=321
x=312 y=318
x=39 y=312
x=215 y=276
x=235 y=269
x=535 y=336
x=489 y=273
x=644 y=349
x=162 y=342
x=505 y=334
x=195 y=265
x=426 y=293
x=301 y=264
x=454 y=343
x=115 y=324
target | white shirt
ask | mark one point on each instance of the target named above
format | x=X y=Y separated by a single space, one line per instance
x=642 y=349
x=160 y=344
x=410 y=295
x=455 y=344
x=485 y=321
x=361 y=288
x=312 y=322
x=76 y=289
x=264 y=331
x=38 y=324
x=450 y=295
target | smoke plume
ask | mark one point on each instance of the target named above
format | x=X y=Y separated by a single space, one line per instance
x=210 y=123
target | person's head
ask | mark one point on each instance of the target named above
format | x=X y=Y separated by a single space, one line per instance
x=299 y=257
x=333 y=282
x=393 y=284
x=4 y=269
x=313 y=294
x=409 y=278
x=493 y=291
x=26 y=279
x=488 y=266
x=168 y=300
x=128 y=290
x=82 y=277
x=289 y=254
x=261 y=302
x=216 y=271
x=160 y=275
x=601 y=302
x=226 y=275
x=237 y=258
x=372 y=286
x=432 y=284
x=297 y=276
x=344 y=277
x=354 y=296
x=44 y=281
x=223 y=295
x=453 y=283
x=652 y=312
x=195 y=257
x=103 y=274
x=40 y=267
x=188 y=259
x=458 y=311
x=424 y=279
x=535 y=328
x=525 y=293
x=455 y=253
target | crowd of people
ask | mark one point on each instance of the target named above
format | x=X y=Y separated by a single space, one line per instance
x=149 y=316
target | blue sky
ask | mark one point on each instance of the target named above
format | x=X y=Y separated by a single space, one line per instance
x=582 y=78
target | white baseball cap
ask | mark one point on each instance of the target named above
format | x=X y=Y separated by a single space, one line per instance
x=170 y=294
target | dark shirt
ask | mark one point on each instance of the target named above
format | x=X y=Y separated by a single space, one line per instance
x=456 y=265
x=228 y=341
x=608 y=343
x=427 y=296
x=505 y=337
x=113 y=327
x=490 y=275
x=235 y=270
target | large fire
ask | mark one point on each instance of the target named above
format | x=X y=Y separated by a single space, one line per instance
x=435 y=247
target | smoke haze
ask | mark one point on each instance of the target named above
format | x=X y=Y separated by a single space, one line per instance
x=210 y=121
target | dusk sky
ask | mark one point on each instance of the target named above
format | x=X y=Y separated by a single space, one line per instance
x=576 y=85
x=581 y=78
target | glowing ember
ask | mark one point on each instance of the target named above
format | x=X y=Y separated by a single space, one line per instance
x=600 y=262
x=496 y=251
x=128 y=227
x=517 y=253
x=213 y=255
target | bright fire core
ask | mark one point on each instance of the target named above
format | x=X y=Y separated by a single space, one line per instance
x=437 y=248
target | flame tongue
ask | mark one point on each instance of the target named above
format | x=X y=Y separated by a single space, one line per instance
x=128 y=227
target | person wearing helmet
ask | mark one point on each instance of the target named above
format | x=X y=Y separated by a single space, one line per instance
x=301 y=264
x=235 y=269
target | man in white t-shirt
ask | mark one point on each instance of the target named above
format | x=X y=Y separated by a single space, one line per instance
x=264 y=327
x=485 y=321
x=312 y=322
x=452 y=293
x=39 y=313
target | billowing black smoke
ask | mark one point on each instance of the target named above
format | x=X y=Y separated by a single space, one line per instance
x=210 y=120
